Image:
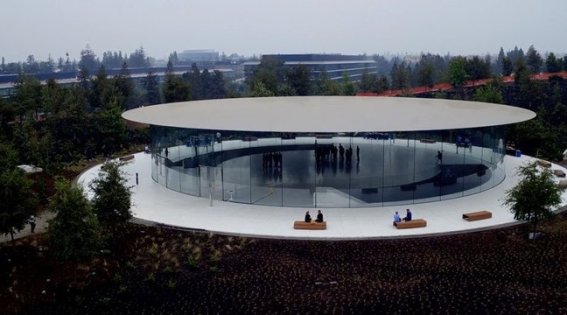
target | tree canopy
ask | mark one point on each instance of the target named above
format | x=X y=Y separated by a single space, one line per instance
x=111 y=202
x=74 y=232
x=535 y=196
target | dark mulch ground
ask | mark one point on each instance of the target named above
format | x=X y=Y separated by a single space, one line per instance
x=156 y=271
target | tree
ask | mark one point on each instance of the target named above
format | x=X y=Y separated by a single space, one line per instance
x=457 y=72
x=17 y=201
x=112 y=199
x=138 y=59
x=152 y=88
x=347 y=87
x=298 y=78
x=175 y=89
x=425 y=74
x=111 y=129
x=551 y=63
x=488 y=93
x=533 y=60
x=271 y=73
x=535 y=196
x=74 y=232
x=400 y=76
x=89 y=60
x=260 y=90
x=507 y=66
x=124 y=86
x=218 y=89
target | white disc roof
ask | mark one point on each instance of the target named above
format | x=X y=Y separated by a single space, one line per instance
x=328 y=114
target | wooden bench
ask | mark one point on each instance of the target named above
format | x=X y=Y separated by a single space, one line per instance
x=126 y=158
x=479 y=215
x=302 y=225
x=410 y=224
x=544 y=163
x=559 y=173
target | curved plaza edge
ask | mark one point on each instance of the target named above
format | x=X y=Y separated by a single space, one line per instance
x=156 y=204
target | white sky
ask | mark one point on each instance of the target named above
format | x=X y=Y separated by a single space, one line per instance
x=43 y=27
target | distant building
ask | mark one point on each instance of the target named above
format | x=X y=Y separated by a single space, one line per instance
x=335 y=65
x=199 y=56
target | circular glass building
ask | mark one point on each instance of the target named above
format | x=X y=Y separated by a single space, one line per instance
x=328 y=151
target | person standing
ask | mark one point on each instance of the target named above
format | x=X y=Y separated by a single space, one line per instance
x=31 y=221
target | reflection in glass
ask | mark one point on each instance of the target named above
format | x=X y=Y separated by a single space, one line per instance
x=362 y=169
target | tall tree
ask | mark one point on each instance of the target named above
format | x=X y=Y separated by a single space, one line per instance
x=536 y=195
x=533 y=60
x=89 y=60
x=17 y=201
x=551 y=63
x=74 y=232
x=488 y=93
x=507 y=66
x=400 y=76
x=298 y=78
x=218 y=85
x=112 y=197
x=152 y=88
x=347 y=86
x=124 y=86
x=457 y=72
x=175 y=88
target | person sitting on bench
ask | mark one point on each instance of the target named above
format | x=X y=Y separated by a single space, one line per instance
x=408 y=215
x=397 y=217
x=307 y=216
x=319 y=216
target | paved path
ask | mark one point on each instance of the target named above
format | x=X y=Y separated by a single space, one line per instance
x=41 y=227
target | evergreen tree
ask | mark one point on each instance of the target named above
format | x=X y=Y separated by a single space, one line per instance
x=457 y=72
x=17 y=201
x=74 y=232
x=507 y=67
x=298 y=78
x=533 y=60
x=124 y=87
x=89 y=60
x=112 y=197
x=152 y=88
x=551 y=63
x=535 y=196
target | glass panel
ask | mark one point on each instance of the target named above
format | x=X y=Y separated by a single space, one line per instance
x=399 y=169
x=429 y=157
x=333 y=170
x=299 y=172
x=266 y=167
x=367 y=178
x=236 y=167
x=451 y=177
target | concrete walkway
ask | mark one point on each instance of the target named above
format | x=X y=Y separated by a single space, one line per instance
x=153 y=202
x=41 y=227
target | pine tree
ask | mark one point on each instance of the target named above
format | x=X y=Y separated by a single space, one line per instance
x=74 y=232
x=112 y=200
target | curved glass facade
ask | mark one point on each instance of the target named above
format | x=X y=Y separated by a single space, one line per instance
x=328 y=170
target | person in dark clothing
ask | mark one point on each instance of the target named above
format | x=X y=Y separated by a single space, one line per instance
x=307 y=216
x=31 y=221
x=319 y=216
x=408 y=215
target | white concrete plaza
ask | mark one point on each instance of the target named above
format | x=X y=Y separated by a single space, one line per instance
x=156 y=203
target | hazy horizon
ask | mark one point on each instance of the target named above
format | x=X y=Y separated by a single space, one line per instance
x=253 y=27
